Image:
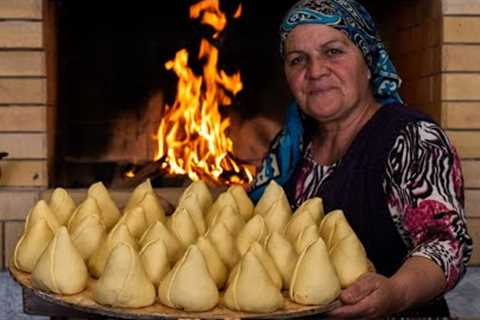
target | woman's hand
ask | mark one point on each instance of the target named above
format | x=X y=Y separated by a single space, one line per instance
x=418 y=281
x=371 y=296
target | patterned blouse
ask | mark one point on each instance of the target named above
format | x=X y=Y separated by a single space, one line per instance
x=424 y=188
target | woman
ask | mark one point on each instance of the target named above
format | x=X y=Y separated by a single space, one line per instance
x=349 y=139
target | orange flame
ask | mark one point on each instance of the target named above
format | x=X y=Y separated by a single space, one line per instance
x=192 y=136
x=238 y=12
x=211 y=15
x=130 y=174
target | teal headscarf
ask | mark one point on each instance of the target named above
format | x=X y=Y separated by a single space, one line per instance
x=351 y=18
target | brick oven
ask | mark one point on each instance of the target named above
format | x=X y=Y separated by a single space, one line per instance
x=65 y=121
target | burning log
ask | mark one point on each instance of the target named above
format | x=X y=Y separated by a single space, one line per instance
x=134 y=175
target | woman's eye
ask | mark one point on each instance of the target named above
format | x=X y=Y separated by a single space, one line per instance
x=334 y=52
x=295 y=61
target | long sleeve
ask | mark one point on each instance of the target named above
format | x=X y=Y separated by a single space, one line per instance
x=424 y=186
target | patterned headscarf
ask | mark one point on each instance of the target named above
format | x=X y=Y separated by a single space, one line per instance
x=351 y=18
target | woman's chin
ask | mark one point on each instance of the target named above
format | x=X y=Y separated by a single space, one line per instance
x=323 y=111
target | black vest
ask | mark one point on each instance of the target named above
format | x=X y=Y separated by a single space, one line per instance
x=356 y=187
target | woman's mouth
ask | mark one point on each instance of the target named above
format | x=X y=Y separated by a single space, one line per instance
x=319 y=91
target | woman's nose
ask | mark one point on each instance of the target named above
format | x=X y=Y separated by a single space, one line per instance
x=317 y=68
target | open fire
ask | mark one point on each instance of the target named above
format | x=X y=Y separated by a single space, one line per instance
x=192 y=138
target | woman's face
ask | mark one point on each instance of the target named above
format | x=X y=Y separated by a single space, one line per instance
x=326 y=72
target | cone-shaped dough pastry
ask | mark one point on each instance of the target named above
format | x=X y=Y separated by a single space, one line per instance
x=308 y=236
x=255 y=230
x=350 y=260
x=314 y=281
x=31 y=245
x=224 y=243
x=88 y=234
x=346 y=251
x=119 y=233
x=175 y=249
x=284 y=256
x=268 y=263
x=245 y=205
x=200 y=189
x=152 y=233
x=87 y=208
x=233 y=273
x=230 y=218
x=223 y=200
x=62 y=205
x=334 y=227
x=138 y=194
x=60 y=268
x=188 y=285
x=192 y=205
x=217 y=269
x=297 y=224
x=183 y=227
x=314 y=206
x=155 y=260
x=278 y=216
x=135 y=221
x=109 y=210
x=124 y=283
x=252 y=289
x=152 y=208
x=273 y=193
x=41 y=211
